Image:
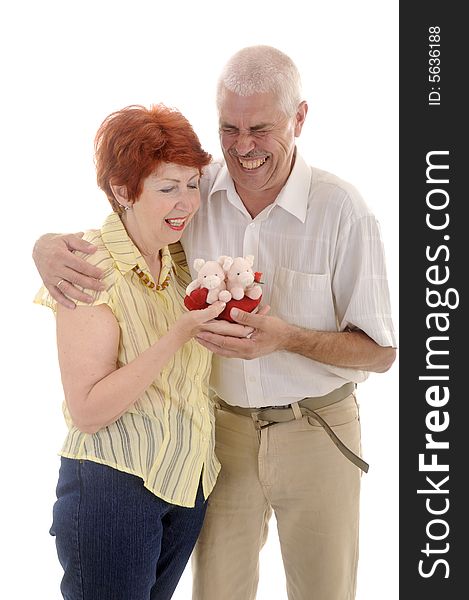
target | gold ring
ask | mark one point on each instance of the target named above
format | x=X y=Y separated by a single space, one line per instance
x=57 y=285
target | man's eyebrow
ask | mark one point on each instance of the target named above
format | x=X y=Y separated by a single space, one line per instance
x=224 y=125
x=261 y=126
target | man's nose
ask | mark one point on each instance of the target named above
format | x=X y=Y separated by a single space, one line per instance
x=244 y=143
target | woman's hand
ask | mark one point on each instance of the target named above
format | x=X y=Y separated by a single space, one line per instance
x=230 y=329
x=192 y=321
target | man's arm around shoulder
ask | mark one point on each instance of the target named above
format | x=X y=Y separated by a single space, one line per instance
x=62 y=270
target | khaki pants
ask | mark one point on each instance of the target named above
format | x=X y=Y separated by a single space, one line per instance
x=295 y=470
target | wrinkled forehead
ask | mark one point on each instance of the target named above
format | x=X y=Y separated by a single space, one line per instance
x=249 y=111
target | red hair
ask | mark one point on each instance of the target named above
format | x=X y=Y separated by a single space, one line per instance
x=132 y=142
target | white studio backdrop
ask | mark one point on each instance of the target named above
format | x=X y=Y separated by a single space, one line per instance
x=65 y=66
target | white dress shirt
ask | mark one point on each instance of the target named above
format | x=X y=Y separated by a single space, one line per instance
x=319 y=249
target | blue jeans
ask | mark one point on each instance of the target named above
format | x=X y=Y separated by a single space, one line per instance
x=115 y=539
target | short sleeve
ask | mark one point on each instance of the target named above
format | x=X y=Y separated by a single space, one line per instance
x=43 y=297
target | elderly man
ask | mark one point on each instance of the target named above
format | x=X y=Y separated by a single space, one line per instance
x=287 y=429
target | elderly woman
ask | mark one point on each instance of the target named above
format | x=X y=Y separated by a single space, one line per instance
x=138 y=462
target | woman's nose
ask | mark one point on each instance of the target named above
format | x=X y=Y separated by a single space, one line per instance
x=189 y=200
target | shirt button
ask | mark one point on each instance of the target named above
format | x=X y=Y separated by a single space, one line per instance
x=252 y=225
x=202 y=408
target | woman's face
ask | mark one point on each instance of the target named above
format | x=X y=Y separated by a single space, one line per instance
x=169 y=199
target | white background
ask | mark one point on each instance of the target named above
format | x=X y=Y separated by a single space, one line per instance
x=65 y=66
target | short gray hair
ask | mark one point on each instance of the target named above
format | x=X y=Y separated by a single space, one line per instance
x=262 y=69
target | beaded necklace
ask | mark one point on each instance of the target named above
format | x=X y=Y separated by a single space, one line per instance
x=146 y=280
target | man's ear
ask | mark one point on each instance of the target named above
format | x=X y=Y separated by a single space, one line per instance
x=120 y=194
x=300 y=117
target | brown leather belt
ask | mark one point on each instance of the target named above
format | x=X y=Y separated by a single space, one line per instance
x=306 y=407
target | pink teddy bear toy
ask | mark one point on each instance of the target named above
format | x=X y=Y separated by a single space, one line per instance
x=228 y=279
x=210 y=275
x=240 y=278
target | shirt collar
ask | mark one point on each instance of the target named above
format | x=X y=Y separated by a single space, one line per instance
x=224 y=182
x=125 y=253
x=293 y=197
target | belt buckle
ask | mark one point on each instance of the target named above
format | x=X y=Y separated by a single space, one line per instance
x=256 y=420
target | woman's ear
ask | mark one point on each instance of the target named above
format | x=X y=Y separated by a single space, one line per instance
x=121 y=195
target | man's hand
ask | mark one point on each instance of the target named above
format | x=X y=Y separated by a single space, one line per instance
x=270 y=334
x=347 y=349
x=61 y=270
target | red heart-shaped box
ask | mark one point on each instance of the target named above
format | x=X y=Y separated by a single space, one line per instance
x=197 y=300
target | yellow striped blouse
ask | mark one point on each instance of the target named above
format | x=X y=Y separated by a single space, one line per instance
x=167 y=436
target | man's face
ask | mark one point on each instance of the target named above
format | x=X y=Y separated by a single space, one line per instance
x=258 y=141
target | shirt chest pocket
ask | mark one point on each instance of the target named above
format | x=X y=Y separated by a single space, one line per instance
x=303 y=299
